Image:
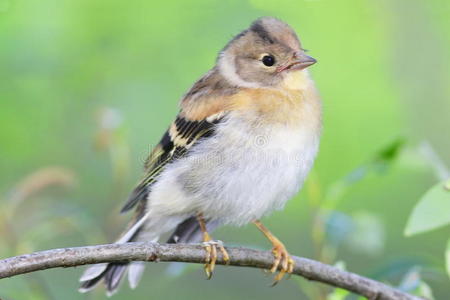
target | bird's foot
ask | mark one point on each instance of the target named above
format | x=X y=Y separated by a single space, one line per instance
x=283 y=261
x=211 y=247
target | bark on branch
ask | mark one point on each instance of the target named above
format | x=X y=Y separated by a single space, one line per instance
x=194 y=253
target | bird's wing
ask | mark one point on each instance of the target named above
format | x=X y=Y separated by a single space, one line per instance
x=201 y=110
x=178 y=139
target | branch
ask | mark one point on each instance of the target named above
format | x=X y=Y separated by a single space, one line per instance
x=194 y=253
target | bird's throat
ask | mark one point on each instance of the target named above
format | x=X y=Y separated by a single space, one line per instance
x=296 y=80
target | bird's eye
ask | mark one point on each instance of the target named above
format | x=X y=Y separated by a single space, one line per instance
x=268 y=60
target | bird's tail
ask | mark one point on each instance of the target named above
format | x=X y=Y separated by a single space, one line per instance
x=187 y=231
x=112 y=273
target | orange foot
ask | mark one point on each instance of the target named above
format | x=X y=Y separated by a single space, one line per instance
x=283 y=260
x=211 y=247
x=211 y=255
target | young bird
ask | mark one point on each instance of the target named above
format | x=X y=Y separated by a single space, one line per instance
x=241 y=146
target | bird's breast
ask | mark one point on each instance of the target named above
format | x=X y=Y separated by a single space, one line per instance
x=259 y=155
x=251 y=168
x=256 y=160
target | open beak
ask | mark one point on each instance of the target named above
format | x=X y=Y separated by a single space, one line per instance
x=299 y=61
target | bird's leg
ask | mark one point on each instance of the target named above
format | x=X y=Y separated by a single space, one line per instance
x=283 y=260
x=211 y=248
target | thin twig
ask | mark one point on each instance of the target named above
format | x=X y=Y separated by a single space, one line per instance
x=194 y=253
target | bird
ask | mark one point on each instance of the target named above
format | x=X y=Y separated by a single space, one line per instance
x=244 y=140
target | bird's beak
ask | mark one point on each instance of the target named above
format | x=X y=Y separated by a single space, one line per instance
x=299 y=61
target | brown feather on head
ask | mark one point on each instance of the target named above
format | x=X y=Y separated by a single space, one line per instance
x=260 y=55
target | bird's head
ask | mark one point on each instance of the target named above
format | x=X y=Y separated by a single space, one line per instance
x=263 y=55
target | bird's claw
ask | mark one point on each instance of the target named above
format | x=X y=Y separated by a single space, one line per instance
x=211 y=247
x=282 y=261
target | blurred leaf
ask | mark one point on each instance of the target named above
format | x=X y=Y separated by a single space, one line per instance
x=412 y=283
x=337 y=227
x=362 y=231
x=434 y=160
x=424 y=290
x=387 y=155
x=411 y=280
x=431 y=212
x=341 y=265
x=380 y=162
x=447 y=258
x=368 y=234
x=338 y=294
x=391 y=151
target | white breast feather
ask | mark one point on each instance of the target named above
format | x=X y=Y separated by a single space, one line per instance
x=239 y=175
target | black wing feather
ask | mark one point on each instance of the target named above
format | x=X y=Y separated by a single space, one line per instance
x=174 y=144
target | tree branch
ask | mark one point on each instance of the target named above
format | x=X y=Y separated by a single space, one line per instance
x=194 y=253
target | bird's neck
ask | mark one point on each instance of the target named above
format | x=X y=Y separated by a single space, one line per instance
x=296 y=80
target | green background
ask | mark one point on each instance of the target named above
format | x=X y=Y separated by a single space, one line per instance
x=87 y=87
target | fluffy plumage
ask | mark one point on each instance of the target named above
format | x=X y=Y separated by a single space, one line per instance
x=242 y=144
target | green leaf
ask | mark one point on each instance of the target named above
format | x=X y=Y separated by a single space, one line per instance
x=447 y=258
x=413 y=283
x=431 y=212
x=378 y=164
x=391 y=151
x=424 y=290
x=338 y=294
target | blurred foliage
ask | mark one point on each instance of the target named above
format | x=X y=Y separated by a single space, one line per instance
x=414 y=284
x=88 y=86
x=432 y=211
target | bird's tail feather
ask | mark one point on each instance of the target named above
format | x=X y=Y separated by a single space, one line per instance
x=112 y=276
x=187 y=231
x=112 y=273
